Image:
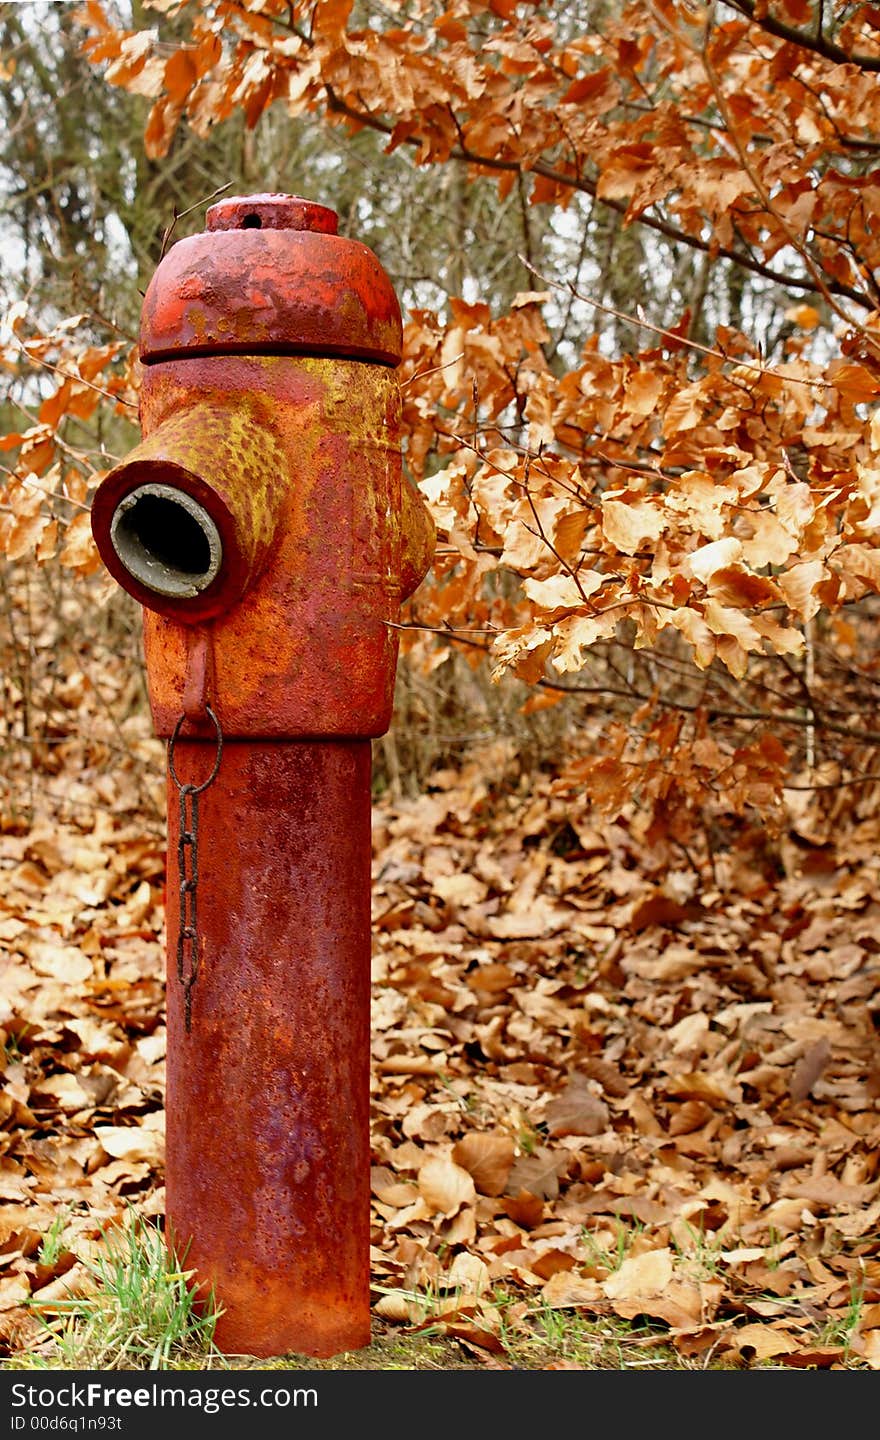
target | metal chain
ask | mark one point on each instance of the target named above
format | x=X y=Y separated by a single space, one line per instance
x=188 y=867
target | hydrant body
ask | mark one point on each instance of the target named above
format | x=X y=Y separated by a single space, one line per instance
x=265 y=525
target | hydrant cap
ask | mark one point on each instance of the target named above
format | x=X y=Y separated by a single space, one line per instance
x=270 y=275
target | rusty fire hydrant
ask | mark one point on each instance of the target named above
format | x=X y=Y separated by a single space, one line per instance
x=265 y=526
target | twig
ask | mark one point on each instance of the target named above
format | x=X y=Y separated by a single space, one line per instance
x=179 y=215
x=640 y=322
x=819 y=44
x=68 y=375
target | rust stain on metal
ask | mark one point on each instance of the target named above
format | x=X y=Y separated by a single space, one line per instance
x=199 y=678
x=308 y=650
x=279 y=285
x=265 y=525
x=267 y=1169
x=222 y=451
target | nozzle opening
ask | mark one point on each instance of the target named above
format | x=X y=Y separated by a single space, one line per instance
x=166 y=540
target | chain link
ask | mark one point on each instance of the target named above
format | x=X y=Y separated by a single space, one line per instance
x=188 y=867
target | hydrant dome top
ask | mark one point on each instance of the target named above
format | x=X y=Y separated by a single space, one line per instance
x=270 y=276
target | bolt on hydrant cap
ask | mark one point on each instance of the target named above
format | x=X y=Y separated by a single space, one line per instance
x=270 y=276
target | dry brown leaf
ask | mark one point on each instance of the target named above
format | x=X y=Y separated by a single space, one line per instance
x=828 y=1190
x=475 y=1335
x=808 y=1069
x=551 y=1262
x=524 y=1209
x=459 y=889
x=683 y=1304
x=65 y=1091
x=132 y=1143
x=445 y=1187
x=538 y=1173
x=690 y=1116
x=410 y=1065
x=608 y=1076
x=715 y=1088
x=468 y=1274
x=62 y=962
x=397 y=1307
x=871 y=1349
x=628 y=525
x=14 y=1291
x=487 y=1157
x=813 y=1357
x=78 y=1280
x=577 y=1110
x=79 y=549
x=640 y=1277
x=565 y=1291
x=391 y=1190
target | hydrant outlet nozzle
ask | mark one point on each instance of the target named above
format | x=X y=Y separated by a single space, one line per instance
x=166 y=540
x=187 y=522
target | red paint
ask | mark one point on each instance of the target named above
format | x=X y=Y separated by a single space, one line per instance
x=269 y=403
x=271 y=212
x=311 y=647
x=267 y=1171
x=286 y=287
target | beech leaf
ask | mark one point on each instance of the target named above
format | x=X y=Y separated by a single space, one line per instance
x=487 y=1158
x=577 y=1110
x=445 y=1187
x=538 y=1174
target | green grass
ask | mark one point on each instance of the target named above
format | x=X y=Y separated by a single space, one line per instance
x=11 y=1047
x=611 y=1259
x=699 y=1252
x=52 y=1246
x=143 y=1314
x=142 y=1311
x=842 y=1328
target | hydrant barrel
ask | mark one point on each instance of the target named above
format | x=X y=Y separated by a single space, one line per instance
x=268 y=1130
x=266 y=527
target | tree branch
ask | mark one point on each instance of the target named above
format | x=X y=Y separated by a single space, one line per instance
x=588 y=187
x=819 y=43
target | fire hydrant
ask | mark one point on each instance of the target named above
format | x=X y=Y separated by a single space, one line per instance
x=265 y=526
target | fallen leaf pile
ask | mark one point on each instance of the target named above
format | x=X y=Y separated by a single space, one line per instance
x=600 y=1083
x=582 y=1053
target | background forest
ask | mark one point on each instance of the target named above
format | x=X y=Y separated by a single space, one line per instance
x=627 y=819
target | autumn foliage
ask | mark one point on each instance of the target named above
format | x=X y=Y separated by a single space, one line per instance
x=694 y=497
x=633 y=991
